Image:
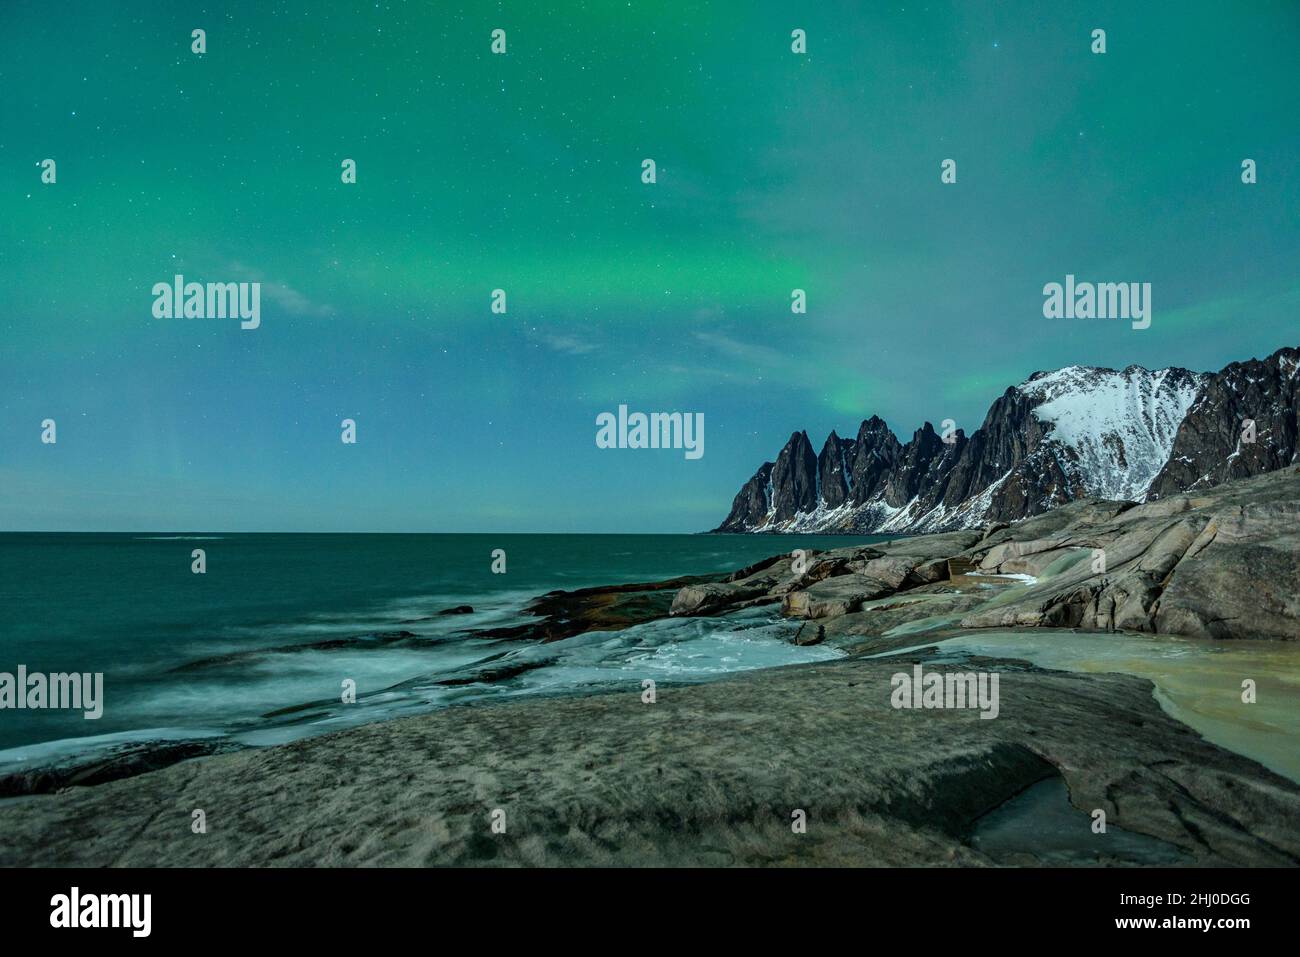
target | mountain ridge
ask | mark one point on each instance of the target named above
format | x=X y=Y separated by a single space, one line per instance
x=1062 y=435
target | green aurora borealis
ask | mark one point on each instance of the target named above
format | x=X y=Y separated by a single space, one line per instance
x=522 y=171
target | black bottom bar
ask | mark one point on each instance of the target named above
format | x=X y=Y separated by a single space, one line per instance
x=334 y=907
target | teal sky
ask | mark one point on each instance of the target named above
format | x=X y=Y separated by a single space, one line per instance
x=522 y=171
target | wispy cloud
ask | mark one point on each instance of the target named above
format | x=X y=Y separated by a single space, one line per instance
x=282 y=294
x=560 y=342
x=744 y=351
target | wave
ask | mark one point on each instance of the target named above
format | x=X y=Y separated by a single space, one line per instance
x=257 y=686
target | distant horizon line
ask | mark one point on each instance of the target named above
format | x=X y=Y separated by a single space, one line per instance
x=208 y=533
x=199 y=536
x=194 y=536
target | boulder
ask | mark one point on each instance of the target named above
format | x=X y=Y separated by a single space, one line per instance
x=835 y=596
x=708 y=598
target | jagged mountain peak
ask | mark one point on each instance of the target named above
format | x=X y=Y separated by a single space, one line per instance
x=1245 y=420
x=1060 y=435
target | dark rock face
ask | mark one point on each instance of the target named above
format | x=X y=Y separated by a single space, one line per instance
x=1056 y=438
x=1209 y=447
x=122 y=761
x=919 y=465
x=794 y=478
x=875 y=454
x=1004 y=443
x=834 y=470
x=749 y=508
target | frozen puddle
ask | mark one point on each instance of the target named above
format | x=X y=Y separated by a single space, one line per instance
x=1040 y=826
x=1197 y=681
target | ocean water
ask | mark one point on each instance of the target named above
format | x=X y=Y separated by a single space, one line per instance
x=230 y=653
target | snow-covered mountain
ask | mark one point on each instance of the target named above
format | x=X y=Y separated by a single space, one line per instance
x=1115 y=427
x=1078 y=432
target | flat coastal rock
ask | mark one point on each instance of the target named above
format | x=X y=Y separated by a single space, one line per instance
x=708 y=775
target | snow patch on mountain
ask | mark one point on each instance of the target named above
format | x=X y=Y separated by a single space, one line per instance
x=1119 y=425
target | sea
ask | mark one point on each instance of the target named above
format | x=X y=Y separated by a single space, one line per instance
x=257 y=649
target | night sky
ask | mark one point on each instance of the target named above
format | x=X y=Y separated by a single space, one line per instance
x=478 y=171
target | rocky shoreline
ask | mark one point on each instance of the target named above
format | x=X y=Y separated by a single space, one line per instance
x=1223 y=563
x=714 y=773
x=707 y=775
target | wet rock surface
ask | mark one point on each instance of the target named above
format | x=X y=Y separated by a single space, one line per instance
x=709 y=774
x=113 y=764
x=368 y=640
x=563 y=614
